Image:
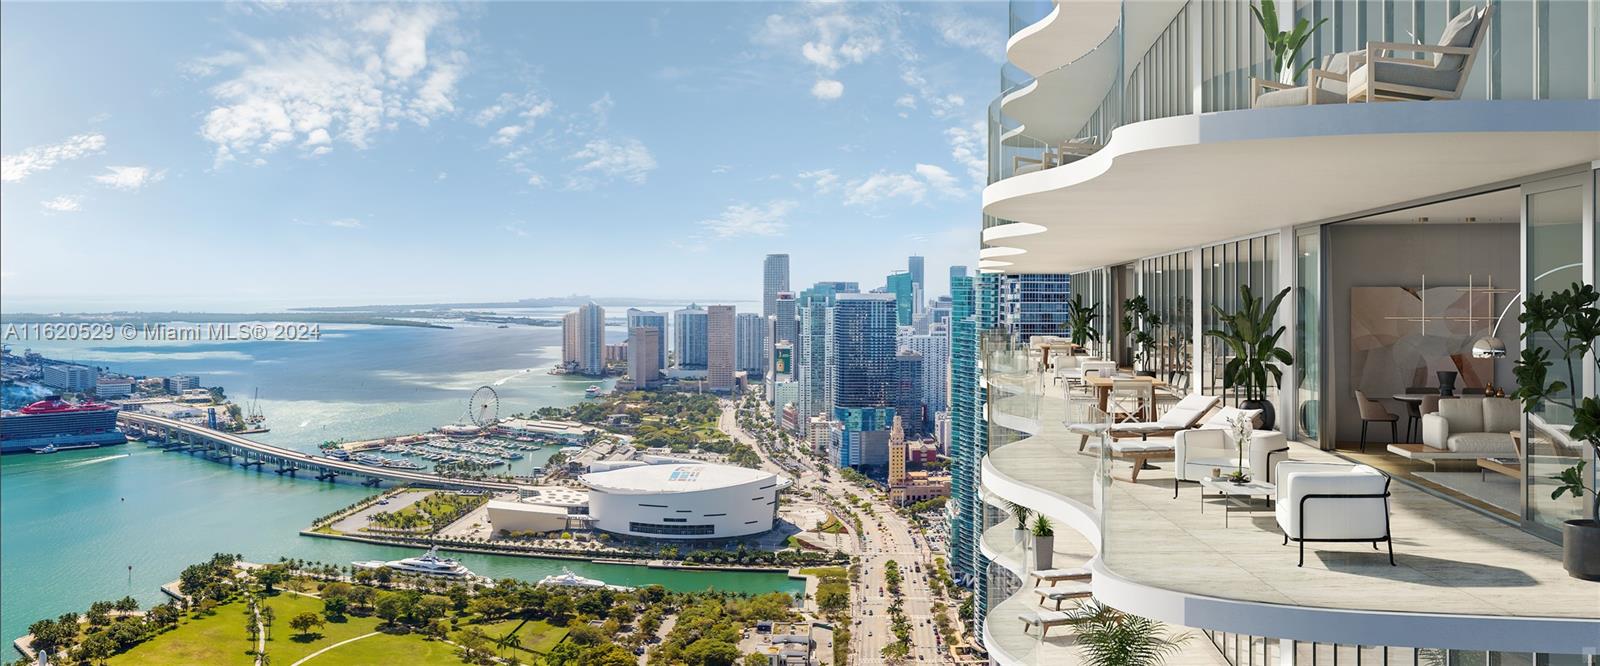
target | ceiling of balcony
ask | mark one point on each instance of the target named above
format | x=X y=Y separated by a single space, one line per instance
x=1179 y=182
x=1071 y=30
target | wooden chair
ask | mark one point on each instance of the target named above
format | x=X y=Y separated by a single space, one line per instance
x=1372 y=412
x=1378 y=75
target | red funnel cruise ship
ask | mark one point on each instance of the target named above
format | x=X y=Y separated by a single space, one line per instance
x=54 y=424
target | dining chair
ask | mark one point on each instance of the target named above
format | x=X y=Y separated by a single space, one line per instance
x=1372 y=412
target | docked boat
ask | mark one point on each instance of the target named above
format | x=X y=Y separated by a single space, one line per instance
x=339 y=454
x=591 y=392
x=429 y=563
x=568 y=579
x=48 y=448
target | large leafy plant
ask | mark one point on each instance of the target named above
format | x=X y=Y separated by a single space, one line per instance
x=1080 y=320
x=1570 y=321
x=1284 y=44
x=1109 y=637
x=1142 y=326
x=1252 y=344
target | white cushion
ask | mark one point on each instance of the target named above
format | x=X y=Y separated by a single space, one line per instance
x=1221 y=417
x=1463 y=414
x=1501 y=415
x=1458 y=32
x=1482 y=442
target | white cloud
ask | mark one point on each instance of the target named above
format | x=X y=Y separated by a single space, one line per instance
x=627 y=159
x=63 y=204
x=746 y=220
x=940 y=180
x=346 y=223
x=14 y=168
x=129 y=178
x=884 y=185
x=974 y=34
x=966 y=147
x=442 y=175
x=536 y=180
x=823 y=180
x=370 y=69
x=505 y=135
x=827 y=89
x=515 y=229
x=906 y=102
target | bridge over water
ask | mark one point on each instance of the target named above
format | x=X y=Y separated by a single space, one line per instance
x=229 y=448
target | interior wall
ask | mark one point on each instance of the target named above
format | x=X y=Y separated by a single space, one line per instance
x=1389 y=255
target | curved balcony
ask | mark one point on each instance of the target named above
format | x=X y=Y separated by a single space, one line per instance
x=1187 y=180
x=1068 y=31
x=1463 y=580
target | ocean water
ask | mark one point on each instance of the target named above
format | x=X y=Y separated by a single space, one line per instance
x=80 y=526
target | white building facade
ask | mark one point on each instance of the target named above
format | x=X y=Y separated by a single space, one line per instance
x=684 y=501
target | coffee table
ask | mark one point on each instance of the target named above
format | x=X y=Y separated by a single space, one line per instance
x=1511 y=467
x=1240 y=493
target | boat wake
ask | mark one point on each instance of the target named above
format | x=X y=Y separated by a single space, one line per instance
x=91 y=461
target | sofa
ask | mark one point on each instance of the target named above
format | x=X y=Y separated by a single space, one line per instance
x=1473 y=426
x=1196 y=452
x=1332 y=502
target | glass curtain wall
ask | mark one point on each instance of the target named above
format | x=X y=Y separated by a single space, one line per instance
x=1165 y=282
x=1554 y=223
x=1308 y=333
x=1224 y=269
x=1091 y=285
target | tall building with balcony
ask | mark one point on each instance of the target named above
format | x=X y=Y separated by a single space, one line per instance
x=721 y=331
x=583 y=340
x=648 y=319
x=748 y=349
x=1431 y=170
x=1034 y=304
x=689 y=337
x=861 y=360
x=70 y=378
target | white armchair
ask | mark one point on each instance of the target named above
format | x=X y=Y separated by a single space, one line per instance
x=1197 y=452
x=1332 y=502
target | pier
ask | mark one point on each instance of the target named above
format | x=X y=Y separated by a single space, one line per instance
x=229 y=448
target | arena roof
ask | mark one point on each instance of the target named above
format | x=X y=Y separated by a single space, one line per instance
x=675 y=478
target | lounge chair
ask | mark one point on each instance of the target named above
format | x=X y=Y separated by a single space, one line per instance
x=1378 y=75
x=1064 y=593
x=1143 y=451
x=1055 y=575
x=1182 y=416
x=1044 y=619
x=1326 y=84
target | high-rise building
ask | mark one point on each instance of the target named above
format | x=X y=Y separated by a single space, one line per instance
x=966 y=446
x=785 y=322
x=934 y=346
x=1034 y=304
x=908 y=395
x=958 y=271
x=861 y=357
x=819 y=433
x=720 y=333
x=648 y=319
x=905 y=296
x=644 y=356
x=70 y=378
x=583 y=340
x=774 y=280
x=914 y=266
x=689 y=337
x=897 y=462
x=748 y=349
x=811 y=352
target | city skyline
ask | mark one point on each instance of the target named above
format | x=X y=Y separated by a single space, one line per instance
x=482 y=157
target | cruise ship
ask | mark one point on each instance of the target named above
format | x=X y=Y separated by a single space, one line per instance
x=429 y=563
x=59 y=424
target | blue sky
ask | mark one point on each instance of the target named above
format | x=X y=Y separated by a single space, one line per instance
x=189 y=155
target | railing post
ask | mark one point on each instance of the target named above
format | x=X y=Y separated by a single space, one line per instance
x=1287 y=651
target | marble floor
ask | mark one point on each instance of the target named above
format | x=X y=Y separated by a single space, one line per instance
x=1451 y=559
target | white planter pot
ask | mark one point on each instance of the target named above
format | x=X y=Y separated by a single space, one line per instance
x=1019 y=536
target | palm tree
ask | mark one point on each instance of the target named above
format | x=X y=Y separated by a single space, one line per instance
x=1109 y=637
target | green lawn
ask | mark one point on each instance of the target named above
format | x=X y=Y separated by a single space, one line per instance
x=285 y=647
x=824 y=572
x=215 y=639
x=535 y=636
x=386 y=649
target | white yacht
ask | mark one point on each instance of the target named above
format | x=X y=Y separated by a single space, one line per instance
x=568 y=579
x=428 y=563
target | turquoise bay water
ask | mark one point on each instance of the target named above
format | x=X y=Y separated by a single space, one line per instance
x=72 y=523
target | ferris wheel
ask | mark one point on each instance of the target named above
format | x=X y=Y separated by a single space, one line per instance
x=484 y=407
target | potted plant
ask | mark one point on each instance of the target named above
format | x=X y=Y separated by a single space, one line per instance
x=1141 y=326
x=1240 y=428
x=1253 y=349
x=1019 y=533
x=1044 y=544
x=1080 y=321
x=1284 y=44
x=1108 y=637
x=1570 y=321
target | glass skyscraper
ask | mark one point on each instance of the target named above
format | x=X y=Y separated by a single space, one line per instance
x=861 y=355
x=904 y=288
x=648 y=319
x=689 y=336
x=1034 y=304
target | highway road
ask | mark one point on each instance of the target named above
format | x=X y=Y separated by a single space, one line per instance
x=889 y=536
